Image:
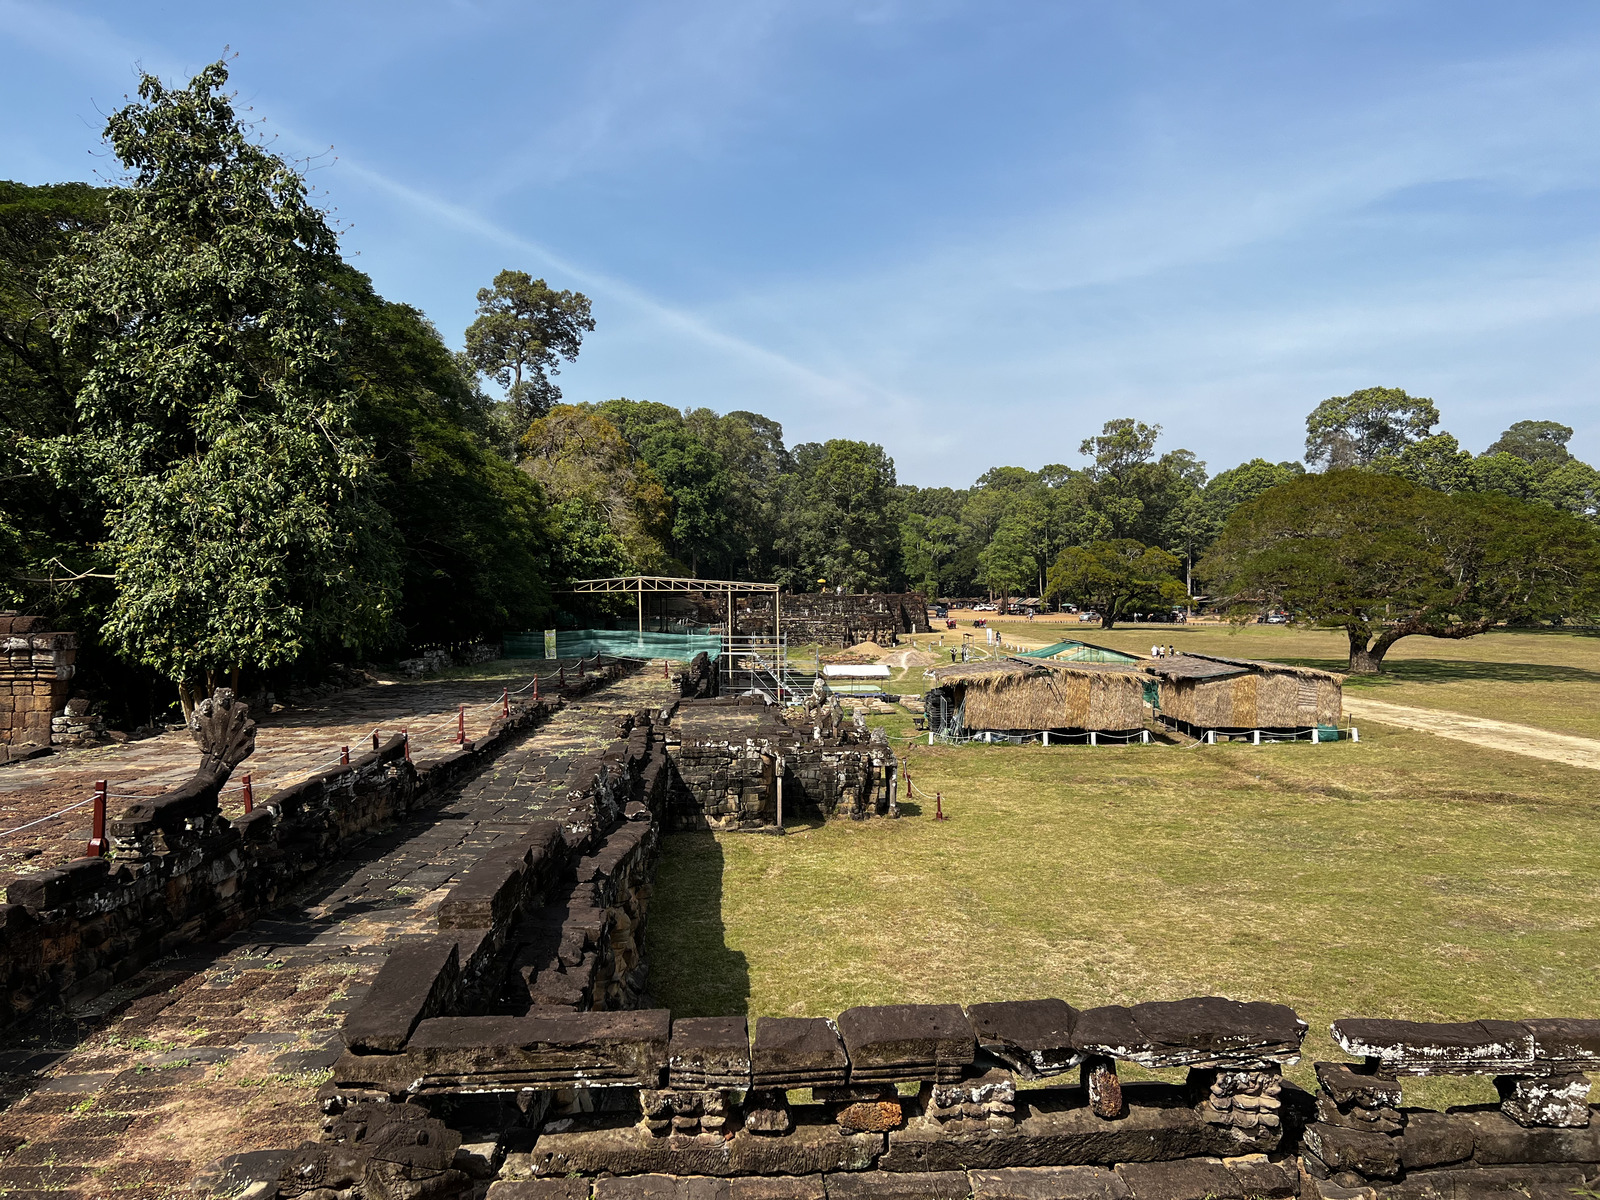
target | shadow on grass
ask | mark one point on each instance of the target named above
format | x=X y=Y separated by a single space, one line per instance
x=693 y=971
x=1445 y=670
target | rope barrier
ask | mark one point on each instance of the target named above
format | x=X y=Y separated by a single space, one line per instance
x=458 y=719
x=40 y=821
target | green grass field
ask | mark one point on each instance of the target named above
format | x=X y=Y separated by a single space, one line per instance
x=1406 y=876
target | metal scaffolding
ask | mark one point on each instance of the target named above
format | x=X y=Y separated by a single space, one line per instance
x=758 y=662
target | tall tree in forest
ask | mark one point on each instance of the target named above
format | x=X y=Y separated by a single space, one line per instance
x=607 y=506
x=43 y=527
x=1354 y=430
x=523 y=330
x=213 y=420
x=844 y=518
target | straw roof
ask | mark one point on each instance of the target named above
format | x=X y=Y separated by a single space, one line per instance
x=1015 y=694
x=1214 y=692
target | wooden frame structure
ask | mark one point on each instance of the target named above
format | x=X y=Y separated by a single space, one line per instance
x=642 y=585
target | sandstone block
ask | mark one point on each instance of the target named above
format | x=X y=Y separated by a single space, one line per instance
x=895 y=1042
x=1186 y=1179
x=1033 y=1037
x=884 y=1185
x=793 y=1052
x=1048 y=1183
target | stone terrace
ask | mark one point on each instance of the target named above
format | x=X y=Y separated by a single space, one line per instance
x=290 y=746
x=220 y=1052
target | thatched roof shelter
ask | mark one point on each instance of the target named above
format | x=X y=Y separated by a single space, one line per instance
x=1208 y=691
x=1030 y=695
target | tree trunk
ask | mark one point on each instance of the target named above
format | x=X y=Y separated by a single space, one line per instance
x=1364 y=661
x=185 y=700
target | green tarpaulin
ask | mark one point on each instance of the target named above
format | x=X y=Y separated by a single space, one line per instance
x=586 y=643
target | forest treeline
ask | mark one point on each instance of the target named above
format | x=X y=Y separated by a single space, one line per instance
x=228 y=452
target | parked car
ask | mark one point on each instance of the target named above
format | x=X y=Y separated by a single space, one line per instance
x=985 y=608
x=1277 y=618
x=1088 y=616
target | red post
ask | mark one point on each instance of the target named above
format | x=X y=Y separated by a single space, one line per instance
x=249 y=796
x=405 y=741
x=938 y=806
x=97 y=840
x=665 y=674
x=344 y=756
x=536 y=687
x=563 y=679
x=374 y=739
x=461 y=725
x=505 y=701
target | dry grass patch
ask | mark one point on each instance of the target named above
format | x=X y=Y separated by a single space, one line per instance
x=1402 y=877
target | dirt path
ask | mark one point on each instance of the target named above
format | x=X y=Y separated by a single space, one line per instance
x=1501 y=735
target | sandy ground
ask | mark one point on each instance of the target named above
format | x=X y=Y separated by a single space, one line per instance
x=1502 y=735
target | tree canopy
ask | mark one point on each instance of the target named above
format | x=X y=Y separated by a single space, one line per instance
x=1384 y=559
x=242 y=526
x=1354 y=430
x=524 y=329
x=1115 y=578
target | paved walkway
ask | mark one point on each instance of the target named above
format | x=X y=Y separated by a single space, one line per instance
x=290 y=745
x=220 y=1052
x=1501 y=735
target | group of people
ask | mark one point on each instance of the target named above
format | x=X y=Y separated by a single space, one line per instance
x=1159 y=652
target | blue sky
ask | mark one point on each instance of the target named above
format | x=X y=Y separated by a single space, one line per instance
x=971 y=232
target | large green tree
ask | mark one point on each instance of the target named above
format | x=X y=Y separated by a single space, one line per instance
x=1384 y=559
x=843 y=520
x=471 y=531
x=1354 y=430
x=43 y=527
x=1535 y=442
x=1116 y=577
x=213 y=421
x=524 y=329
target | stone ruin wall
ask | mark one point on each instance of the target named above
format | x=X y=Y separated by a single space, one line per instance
x=36 y=673
x=828 y=767
x=181 y=872
x=1010 y=1100
x=515 y=1050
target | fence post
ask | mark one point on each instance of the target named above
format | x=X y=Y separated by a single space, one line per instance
x=505 y=701
x=344 y=756
x=1094 y=737
x=249 y=796
x=938 y=806
x=97 y=839
x=1255 y=737
x=1355 y=734
x=461 y=725
x=405 y=742
x=563 y=679
x=374 y=739
x=1144 y=736
x=536 y=687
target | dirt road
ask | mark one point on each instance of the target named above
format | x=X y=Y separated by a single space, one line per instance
x=1501 y=735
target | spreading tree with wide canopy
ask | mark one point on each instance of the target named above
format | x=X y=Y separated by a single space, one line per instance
x=1384 y=559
